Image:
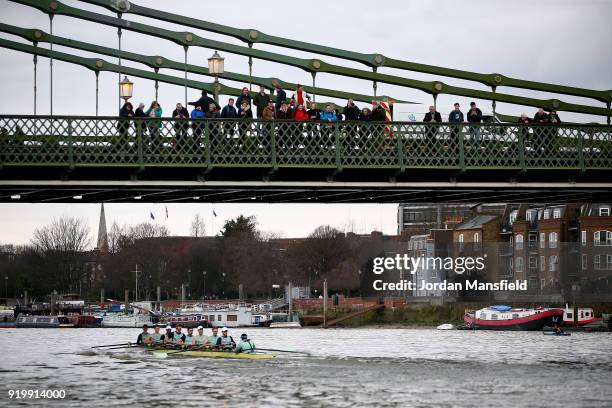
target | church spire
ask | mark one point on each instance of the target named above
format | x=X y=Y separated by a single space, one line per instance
x=102 y=235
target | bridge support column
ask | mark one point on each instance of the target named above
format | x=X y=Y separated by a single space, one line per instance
x=119 y=61
x=51 y=64
x=35 y=76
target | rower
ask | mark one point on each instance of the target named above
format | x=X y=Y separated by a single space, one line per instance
x=179 y=336
x=225 y=341
x=189 y=337
x=145 y=336
x=169 y=336
x=200 y=339
x=245 y=345
x=157 y=337
x=212 y=340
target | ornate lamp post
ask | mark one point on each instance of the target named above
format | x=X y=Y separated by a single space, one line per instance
x=216 y=68
x=126 y=89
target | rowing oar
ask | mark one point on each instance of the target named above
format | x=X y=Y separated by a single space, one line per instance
x=284 y=351
x=112 y=345
x=165 y=355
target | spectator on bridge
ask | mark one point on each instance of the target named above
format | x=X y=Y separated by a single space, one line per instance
x=540 y=117
x=300 y=97
x=433 y=116
x=214 y=125
x=328 y=115
x=197 y=126
x=541 y=135
x=456 y=117
x=351 y=111
x=205 y=102
x=154 y=111
x=268 y=114
x=125 y=113
x=245 y=113
x=180 y=115
x=244 y=96
x=554 y=118
x=524 y=119
x=140 y=111
x=261 y=101
x=283 y=113
x=300 y=113
x=313 y=112
x=281 y=96
x=474 y=115
x=379 y=114
x=229 y=111
x=365 y=115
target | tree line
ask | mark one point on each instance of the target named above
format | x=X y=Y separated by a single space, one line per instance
x=59 y=258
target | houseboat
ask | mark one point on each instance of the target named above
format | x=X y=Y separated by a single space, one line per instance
x=508 y=318
x=39 y=322
x=578 y=316
x=185 y=320
x=131 y=320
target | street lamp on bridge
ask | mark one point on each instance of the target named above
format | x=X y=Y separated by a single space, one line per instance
x=126 y=89
x=216 y=68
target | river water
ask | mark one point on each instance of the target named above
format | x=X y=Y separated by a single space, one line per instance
x=347 y=368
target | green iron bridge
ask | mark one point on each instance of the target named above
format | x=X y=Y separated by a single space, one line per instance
x=63 y=159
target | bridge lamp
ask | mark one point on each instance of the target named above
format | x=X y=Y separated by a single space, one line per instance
x=216 y=68
x=126 y=89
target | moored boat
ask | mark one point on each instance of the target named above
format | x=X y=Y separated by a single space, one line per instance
x=185 y=320
x=50 y=322
x=7 y=318
x=126 y=320
x=508 y=318
x=578 y=316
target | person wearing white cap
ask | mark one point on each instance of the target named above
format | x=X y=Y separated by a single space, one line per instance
x=200 y=339
x=169 y=336
x=225 y=341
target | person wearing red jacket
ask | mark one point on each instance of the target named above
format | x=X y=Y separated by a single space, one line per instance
x=300 y=113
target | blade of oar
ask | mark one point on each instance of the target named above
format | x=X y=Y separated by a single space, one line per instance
x=111 y=345
x=285 y=351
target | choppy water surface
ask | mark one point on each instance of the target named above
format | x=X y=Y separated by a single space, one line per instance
x=348 y=367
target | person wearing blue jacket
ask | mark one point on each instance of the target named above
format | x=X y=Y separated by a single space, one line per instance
x=328 y=115
x=281 y=96
x=456 y=116
x=198 y=124
x=229 y=112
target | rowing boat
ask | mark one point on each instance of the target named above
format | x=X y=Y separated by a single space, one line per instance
x=214 y=354
x=162 y=352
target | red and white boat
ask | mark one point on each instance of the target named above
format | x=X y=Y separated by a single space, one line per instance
x=578 y=316
x=508 y=318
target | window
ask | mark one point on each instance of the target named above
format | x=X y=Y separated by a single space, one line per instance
x=476 y=238
x=483 y=316
x=570 y=315
x=603 y=262
x=511 y=264
x=513 y=217
x=546 y=214
x=552 y=240
x=519 y=264
x=604 y=211
x=552 y=263
x=232 y=318
x=533 y=262
x=533 y=238
x=515 y=315
x=511 y=241
x=542 y=240
x=583 y=238
x=519 y=242
x=219 y=317
x=585 y=261
x=542 y=263
x=542 y=283
x=602 y=238
x=461 y=242
x=557 y=213
x=531 y=214
x=211 y=318
x=493 y=317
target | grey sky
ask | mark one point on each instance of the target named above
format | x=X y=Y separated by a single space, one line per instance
x=558 y=41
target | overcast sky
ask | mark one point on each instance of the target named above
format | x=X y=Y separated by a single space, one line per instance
x=558 y=41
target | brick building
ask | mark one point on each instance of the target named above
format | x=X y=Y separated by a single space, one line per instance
x=595 y=248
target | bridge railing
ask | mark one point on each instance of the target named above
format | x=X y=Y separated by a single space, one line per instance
x=111 y=141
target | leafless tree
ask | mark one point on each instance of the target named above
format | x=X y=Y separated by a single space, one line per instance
x=67 y=234
x=198 y=228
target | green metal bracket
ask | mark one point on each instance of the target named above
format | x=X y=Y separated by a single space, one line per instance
x=312 y=65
